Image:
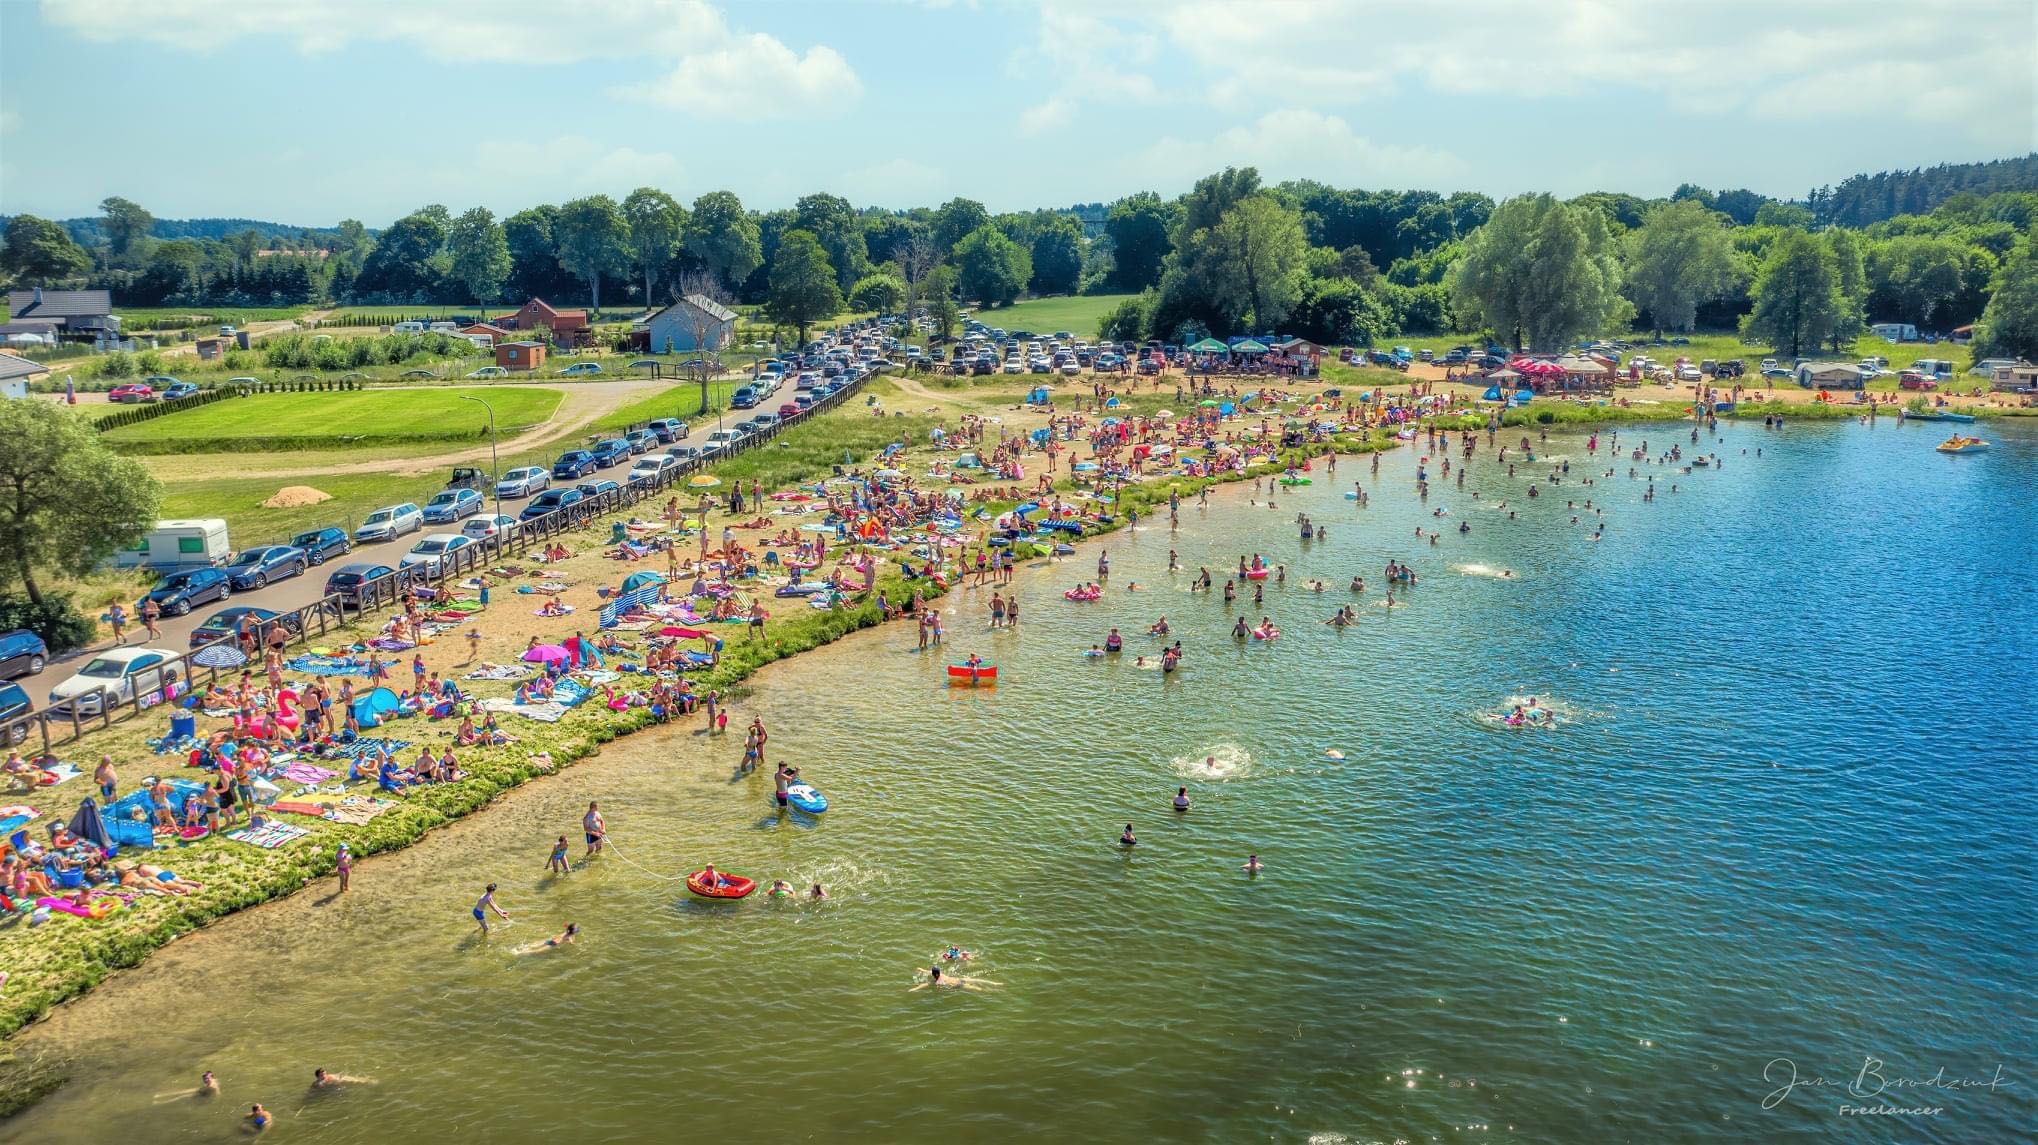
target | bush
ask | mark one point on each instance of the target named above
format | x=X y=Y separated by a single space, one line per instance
x=56 y=620
x=119 y=364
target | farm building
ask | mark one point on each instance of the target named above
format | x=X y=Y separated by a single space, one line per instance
x=526 y=355
x=564 y=328
x=488 y=330
x=63 y=315
x=683 y=324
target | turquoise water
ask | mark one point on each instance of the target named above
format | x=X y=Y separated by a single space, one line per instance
x=1788 y=815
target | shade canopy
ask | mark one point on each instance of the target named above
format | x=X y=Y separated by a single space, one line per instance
x=1208 y=346
x=1250 y=346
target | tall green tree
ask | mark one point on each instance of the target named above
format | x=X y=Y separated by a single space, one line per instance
x=534 y=255
x=956 y=220
x=38 y=252
x=938 y=286
x=593 y=239
x=1058 y=256
x=1261 y=249
x=1850 y=288
x=2009 y=323
x=723 y=237
x=1796 y=295
x=1540 y=273
x=127 y=225
x=407 y=260
x=834 y=224
x=1679 y=257
x=657 y=223
x=480 y=255
x=1935 y=281
x=879 y=293
x=1139 y=227
x=990 y=267
x=67 y=502
x=803 y=283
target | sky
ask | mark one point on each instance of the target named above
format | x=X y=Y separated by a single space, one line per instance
x=310 y=111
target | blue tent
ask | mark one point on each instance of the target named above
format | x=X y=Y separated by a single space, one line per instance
x=1492 y=394
x=1227 y=409
x=1522 y=397
x=1038 y=397
x=1110 y=403
x=369 y=709
x=1040 y=436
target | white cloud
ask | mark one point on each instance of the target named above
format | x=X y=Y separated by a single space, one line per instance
x=753 y=77
x=1290 y=143
x=1044 y=118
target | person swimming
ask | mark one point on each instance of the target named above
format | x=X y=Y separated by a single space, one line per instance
x=780 y=889
x=1252 y=864
x=1182 y=797
x=555 y=942
x=935 y=977
x=320 y=1079
x=817 y=892
x=957 y=954
x=260 y=1118
x=1126 y=839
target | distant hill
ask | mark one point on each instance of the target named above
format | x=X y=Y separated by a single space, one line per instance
x=1863 y=199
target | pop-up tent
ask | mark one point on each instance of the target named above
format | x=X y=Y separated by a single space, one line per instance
x=370 y=709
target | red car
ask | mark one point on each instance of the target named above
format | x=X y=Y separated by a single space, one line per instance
x=788 y=409
x=1913 y=380
x=131 y=392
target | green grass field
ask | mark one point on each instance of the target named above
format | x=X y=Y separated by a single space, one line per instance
x=291 y=421
x=184 y=317
x=682 y=400
x=1078 y=314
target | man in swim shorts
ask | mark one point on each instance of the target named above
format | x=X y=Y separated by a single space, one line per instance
x=596 y=830
x=485 y=904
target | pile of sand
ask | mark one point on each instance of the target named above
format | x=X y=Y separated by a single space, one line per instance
x=294 y=496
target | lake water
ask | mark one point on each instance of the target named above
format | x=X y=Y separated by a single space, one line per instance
x=1788 y=815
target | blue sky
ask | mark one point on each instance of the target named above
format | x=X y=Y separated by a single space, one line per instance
x=309 y=111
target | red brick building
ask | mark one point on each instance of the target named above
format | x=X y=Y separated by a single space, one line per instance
x=520 y=355
x=566 y=328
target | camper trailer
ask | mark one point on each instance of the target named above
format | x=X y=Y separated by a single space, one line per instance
x=1895 y=331
x=174 y=546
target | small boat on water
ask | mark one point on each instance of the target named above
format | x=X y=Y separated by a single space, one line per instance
x=1949 y=415
x=731 y=886
x=1959 y=444
x=1936 y=415
x=964 y=676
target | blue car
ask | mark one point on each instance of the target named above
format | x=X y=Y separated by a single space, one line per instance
x=744 y=398
x=318 y=544
x=255 y=568
x=607 y=453
x=451 y=505
x=641 y=440
x=551 y=501
x=573 y=464
x=176 y=593
x=180 y=390
x=22 y=653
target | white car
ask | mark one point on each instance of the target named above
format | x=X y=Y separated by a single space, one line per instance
x=390 y=523
x=650 y=465
x=120 y=671
x=1014 y=366
x=1070 y=368
x=487 y=527
x=1688 y=374
x=524 y=482
x=434 y=549
x=490 y=372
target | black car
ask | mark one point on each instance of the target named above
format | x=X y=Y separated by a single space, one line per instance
x=22 y=653
x=227 y=621
x=14 y=709
x=349 y=579
x=318 y=544
x=177 y=593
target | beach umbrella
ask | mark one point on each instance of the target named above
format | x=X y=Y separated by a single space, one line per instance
x=1206 y=346
x=1249 y=346
x=638 y=580
x=681 y=633
x=220 y=655
x=703 y=481
x=1164 y=413
x=86 y=824
x=1209 y=403
x=544 y=653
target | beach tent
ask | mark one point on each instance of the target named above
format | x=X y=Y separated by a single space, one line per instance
x=1040 y=436
x=1227 y=409
x=638 y=580
x=1523 y=397
x=370 y=709
x=1038 y=397
x=1492 y=394
x=87 y=825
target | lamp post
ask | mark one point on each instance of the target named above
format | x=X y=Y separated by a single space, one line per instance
x=494 y=474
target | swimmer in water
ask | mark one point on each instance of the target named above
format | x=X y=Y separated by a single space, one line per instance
x=208 y=1085
x=1252 y=864
x=1127 y=839
x=957 y=954
x=818 y=892
x=260 y=1118
x=571 y=932
x=320 y=1079
x=1182 y=798
x=781 y=889
x=936 y=978
x=1139 y=661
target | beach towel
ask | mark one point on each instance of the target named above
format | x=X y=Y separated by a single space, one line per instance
x=570 y=693
x=498 y=672
x=13 y=823
x=544 y=712
x=564 y=610
x=268 y=836
x=64 y=773
x=306 y=773
x=356 y=810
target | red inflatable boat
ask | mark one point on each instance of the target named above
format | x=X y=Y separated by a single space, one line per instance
x=733 y=886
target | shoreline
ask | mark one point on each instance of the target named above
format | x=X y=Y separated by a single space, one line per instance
x=273 y=875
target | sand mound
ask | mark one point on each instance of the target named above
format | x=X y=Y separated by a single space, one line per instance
x=294 y=496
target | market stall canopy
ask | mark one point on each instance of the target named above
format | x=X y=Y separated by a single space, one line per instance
x=1250 y=346
x=1208 y=346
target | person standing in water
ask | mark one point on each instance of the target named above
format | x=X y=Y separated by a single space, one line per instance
x=596 y=829
x=779 y=779
x=485 y=904
x=1126 y=839
x=1252 y=864
x=1181 y=799
x=557 y=863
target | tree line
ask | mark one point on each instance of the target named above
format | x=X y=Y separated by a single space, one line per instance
x=1230 y=255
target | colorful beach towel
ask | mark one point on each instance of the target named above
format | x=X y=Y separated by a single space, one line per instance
x=64 y=773
x=268 y=836
x=306 y=773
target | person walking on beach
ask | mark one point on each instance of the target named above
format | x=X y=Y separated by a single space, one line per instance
x=117 y=617
x=485 y=904
x=343 y=863
x=597 y=831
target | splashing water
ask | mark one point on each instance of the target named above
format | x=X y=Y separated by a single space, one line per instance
x=1493 y=571
x=1218 y=762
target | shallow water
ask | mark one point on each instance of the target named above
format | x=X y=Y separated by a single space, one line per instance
x=1786 y=814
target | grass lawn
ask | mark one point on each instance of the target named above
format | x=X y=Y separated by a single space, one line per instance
x=681 y=400
x=292 y=421
x=1077 y=313
x=181 y=317
x=848 y=435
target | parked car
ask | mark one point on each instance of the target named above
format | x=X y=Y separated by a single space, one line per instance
x=132 y=392
x=641 y=440
x=468 y=477
x=227 y=621
x=176 y=593
x=255 y=568
x=389 y=523
x=318 y=544
x=651 y=465
x=805 y=402
x=581 y=370
x=490 y=372
x=1777 y=372
x=22 y=653
x=668 y=429
x=15 y=707
x=177 y=390
x=607 y=453
x=788 y=409
x=121 y=672
x=745 y=397
x=451 y=505
x=349 y=581
x=1688 y=373
x=573 y=464
x=722 y=439
x=523 y=482
x=551 y=501
x=488 y=527
x=435 y=551
x=593 y=489
x=765 y=421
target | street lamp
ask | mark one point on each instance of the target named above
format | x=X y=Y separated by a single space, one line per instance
x=494 y=474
